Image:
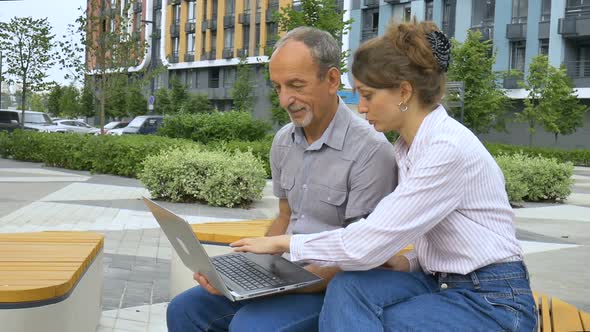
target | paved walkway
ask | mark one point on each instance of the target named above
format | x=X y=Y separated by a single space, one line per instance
x=555 y=237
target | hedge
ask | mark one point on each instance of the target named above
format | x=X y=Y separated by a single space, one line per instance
x=219 y=179
x=580 y=157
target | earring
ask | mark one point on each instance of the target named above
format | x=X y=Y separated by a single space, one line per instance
x=403 y=107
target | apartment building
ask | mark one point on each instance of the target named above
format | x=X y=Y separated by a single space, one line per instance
x=518 y=29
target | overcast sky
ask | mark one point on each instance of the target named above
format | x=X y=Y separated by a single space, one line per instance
x=60 y=13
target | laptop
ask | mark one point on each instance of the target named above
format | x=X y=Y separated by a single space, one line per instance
x=238 y=276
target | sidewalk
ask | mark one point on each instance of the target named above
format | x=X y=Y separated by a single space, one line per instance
x=555 y=237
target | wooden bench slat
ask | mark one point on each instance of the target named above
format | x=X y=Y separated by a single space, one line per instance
x=565 y=316
x=536 y=297
x=44 y=265
x=228 y=232
x=585 y=318
x=545 y=310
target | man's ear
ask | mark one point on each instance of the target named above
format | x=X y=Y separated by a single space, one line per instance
x=333 y=77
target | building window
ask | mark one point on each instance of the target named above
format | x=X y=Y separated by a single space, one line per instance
x=158 y=20
x=192 y=11
x=190 y=46
x=448 y=21
x=229 y=77
x=520 y=10
x=370 y=21
x=189 y=76
x=272 y=32
x=546 y=11
x=407 y=14
x=428 y=10
x=214 y=77
x=544 y=46
x=203 y=38
x=517 y=55
x=213 y=41
x=246 y=37
x=175 y=47
x=258 y=6
x=246 y=6
x=176 y=14
x=483 y=13
x=228 y=39
x=230 y=7
x=577 y=8
x=214 y=9
x=257 y=39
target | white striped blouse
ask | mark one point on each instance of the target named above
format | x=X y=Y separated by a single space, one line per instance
x=450 y=203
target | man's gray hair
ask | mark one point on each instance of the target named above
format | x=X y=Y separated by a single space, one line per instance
x=324 y=49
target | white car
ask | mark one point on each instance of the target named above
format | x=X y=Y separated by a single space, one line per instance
x=75 y=126
x=115 y=127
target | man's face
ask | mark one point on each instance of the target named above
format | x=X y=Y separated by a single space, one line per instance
x=295 y=77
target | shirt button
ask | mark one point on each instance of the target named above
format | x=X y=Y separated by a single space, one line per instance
x=329 y=198
x=304 y=187
x=444 y=286
x=302 y=216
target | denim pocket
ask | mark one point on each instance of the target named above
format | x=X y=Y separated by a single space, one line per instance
x=508 y=312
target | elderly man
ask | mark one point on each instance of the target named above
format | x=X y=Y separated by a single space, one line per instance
x=329 y=168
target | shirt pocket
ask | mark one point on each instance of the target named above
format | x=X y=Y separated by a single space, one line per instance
x=329 y=204
x=287 y=182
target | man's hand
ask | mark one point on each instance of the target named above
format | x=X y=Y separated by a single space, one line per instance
x=202 y=280
x=263 y=245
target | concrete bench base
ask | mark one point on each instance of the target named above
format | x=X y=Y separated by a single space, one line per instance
x=78 y=312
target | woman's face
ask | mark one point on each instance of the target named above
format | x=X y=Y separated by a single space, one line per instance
x=380 y=107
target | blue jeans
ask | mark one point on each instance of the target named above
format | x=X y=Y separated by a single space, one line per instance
x=497 y=297
x=197 y=310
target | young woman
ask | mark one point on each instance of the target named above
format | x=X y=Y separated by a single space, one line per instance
x=466 y=272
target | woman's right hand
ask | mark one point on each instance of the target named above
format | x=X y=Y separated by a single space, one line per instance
x=398 y=263
x=202 y=280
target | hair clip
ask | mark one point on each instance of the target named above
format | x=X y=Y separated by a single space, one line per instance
x=441 y=48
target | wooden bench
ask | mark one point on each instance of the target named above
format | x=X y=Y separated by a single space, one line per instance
x=50 y=281
x=216 y=238
x=556 y=315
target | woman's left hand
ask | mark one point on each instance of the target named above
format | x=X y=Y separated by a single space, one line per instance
x=263 y=245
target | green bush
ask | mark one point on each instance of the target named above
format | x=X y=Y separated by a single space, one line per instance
x=260 y=149
x=216 y=126
x=535 y=178
x=118 y=155
x=577 y=157
x=190 y=174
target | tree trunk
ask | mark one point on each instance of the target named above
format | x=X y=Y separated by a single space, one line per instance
x=23 y=99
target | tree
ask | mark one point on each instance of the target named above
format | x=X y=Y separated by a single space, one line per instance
x=321 y=14
x=27 y=43
x=162 y=104
x=38 y=103
x=551 y=101
x=53 y=99
x=196 y=104
x=485 y=103
x=136 y=102
x=178 y=95
x=69 y=102
x=87 y=101
x=242 y=89
x=111 y=47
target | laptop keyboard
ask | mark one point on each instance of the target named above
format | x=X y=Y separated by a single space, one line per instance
x=244 y=272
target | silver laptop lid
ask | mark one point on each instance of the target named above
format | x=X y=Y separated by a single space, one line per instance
x=187 y=245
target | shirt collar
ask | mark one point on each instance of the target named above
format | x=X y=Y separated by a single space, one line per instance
x=334 y=135
x=428 y=125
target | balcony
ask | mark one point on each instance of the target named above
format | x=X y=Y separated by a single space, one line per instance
x=544 y=30
x=511 y=82
x=244 y=19
x=487 y=31
x=574 y=26
x=227 y=53
x=189 y=57
x=371 y=3
x=368 y=34
x=157 y=4
x=137 y=6
x=243 y=52
x=516 y=31
x=579 y=72
x=173 y=58
x=212 y=24
x=229 y=21
x=174 y=30
x=174 y=2
x=189 y=27
x=208 y=55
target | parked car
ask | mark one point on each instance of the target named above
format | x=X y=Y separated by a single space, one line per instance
x=115 y=127
x=76 y=126
x=144 y=124
x=8 y=121
x=37 y=121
